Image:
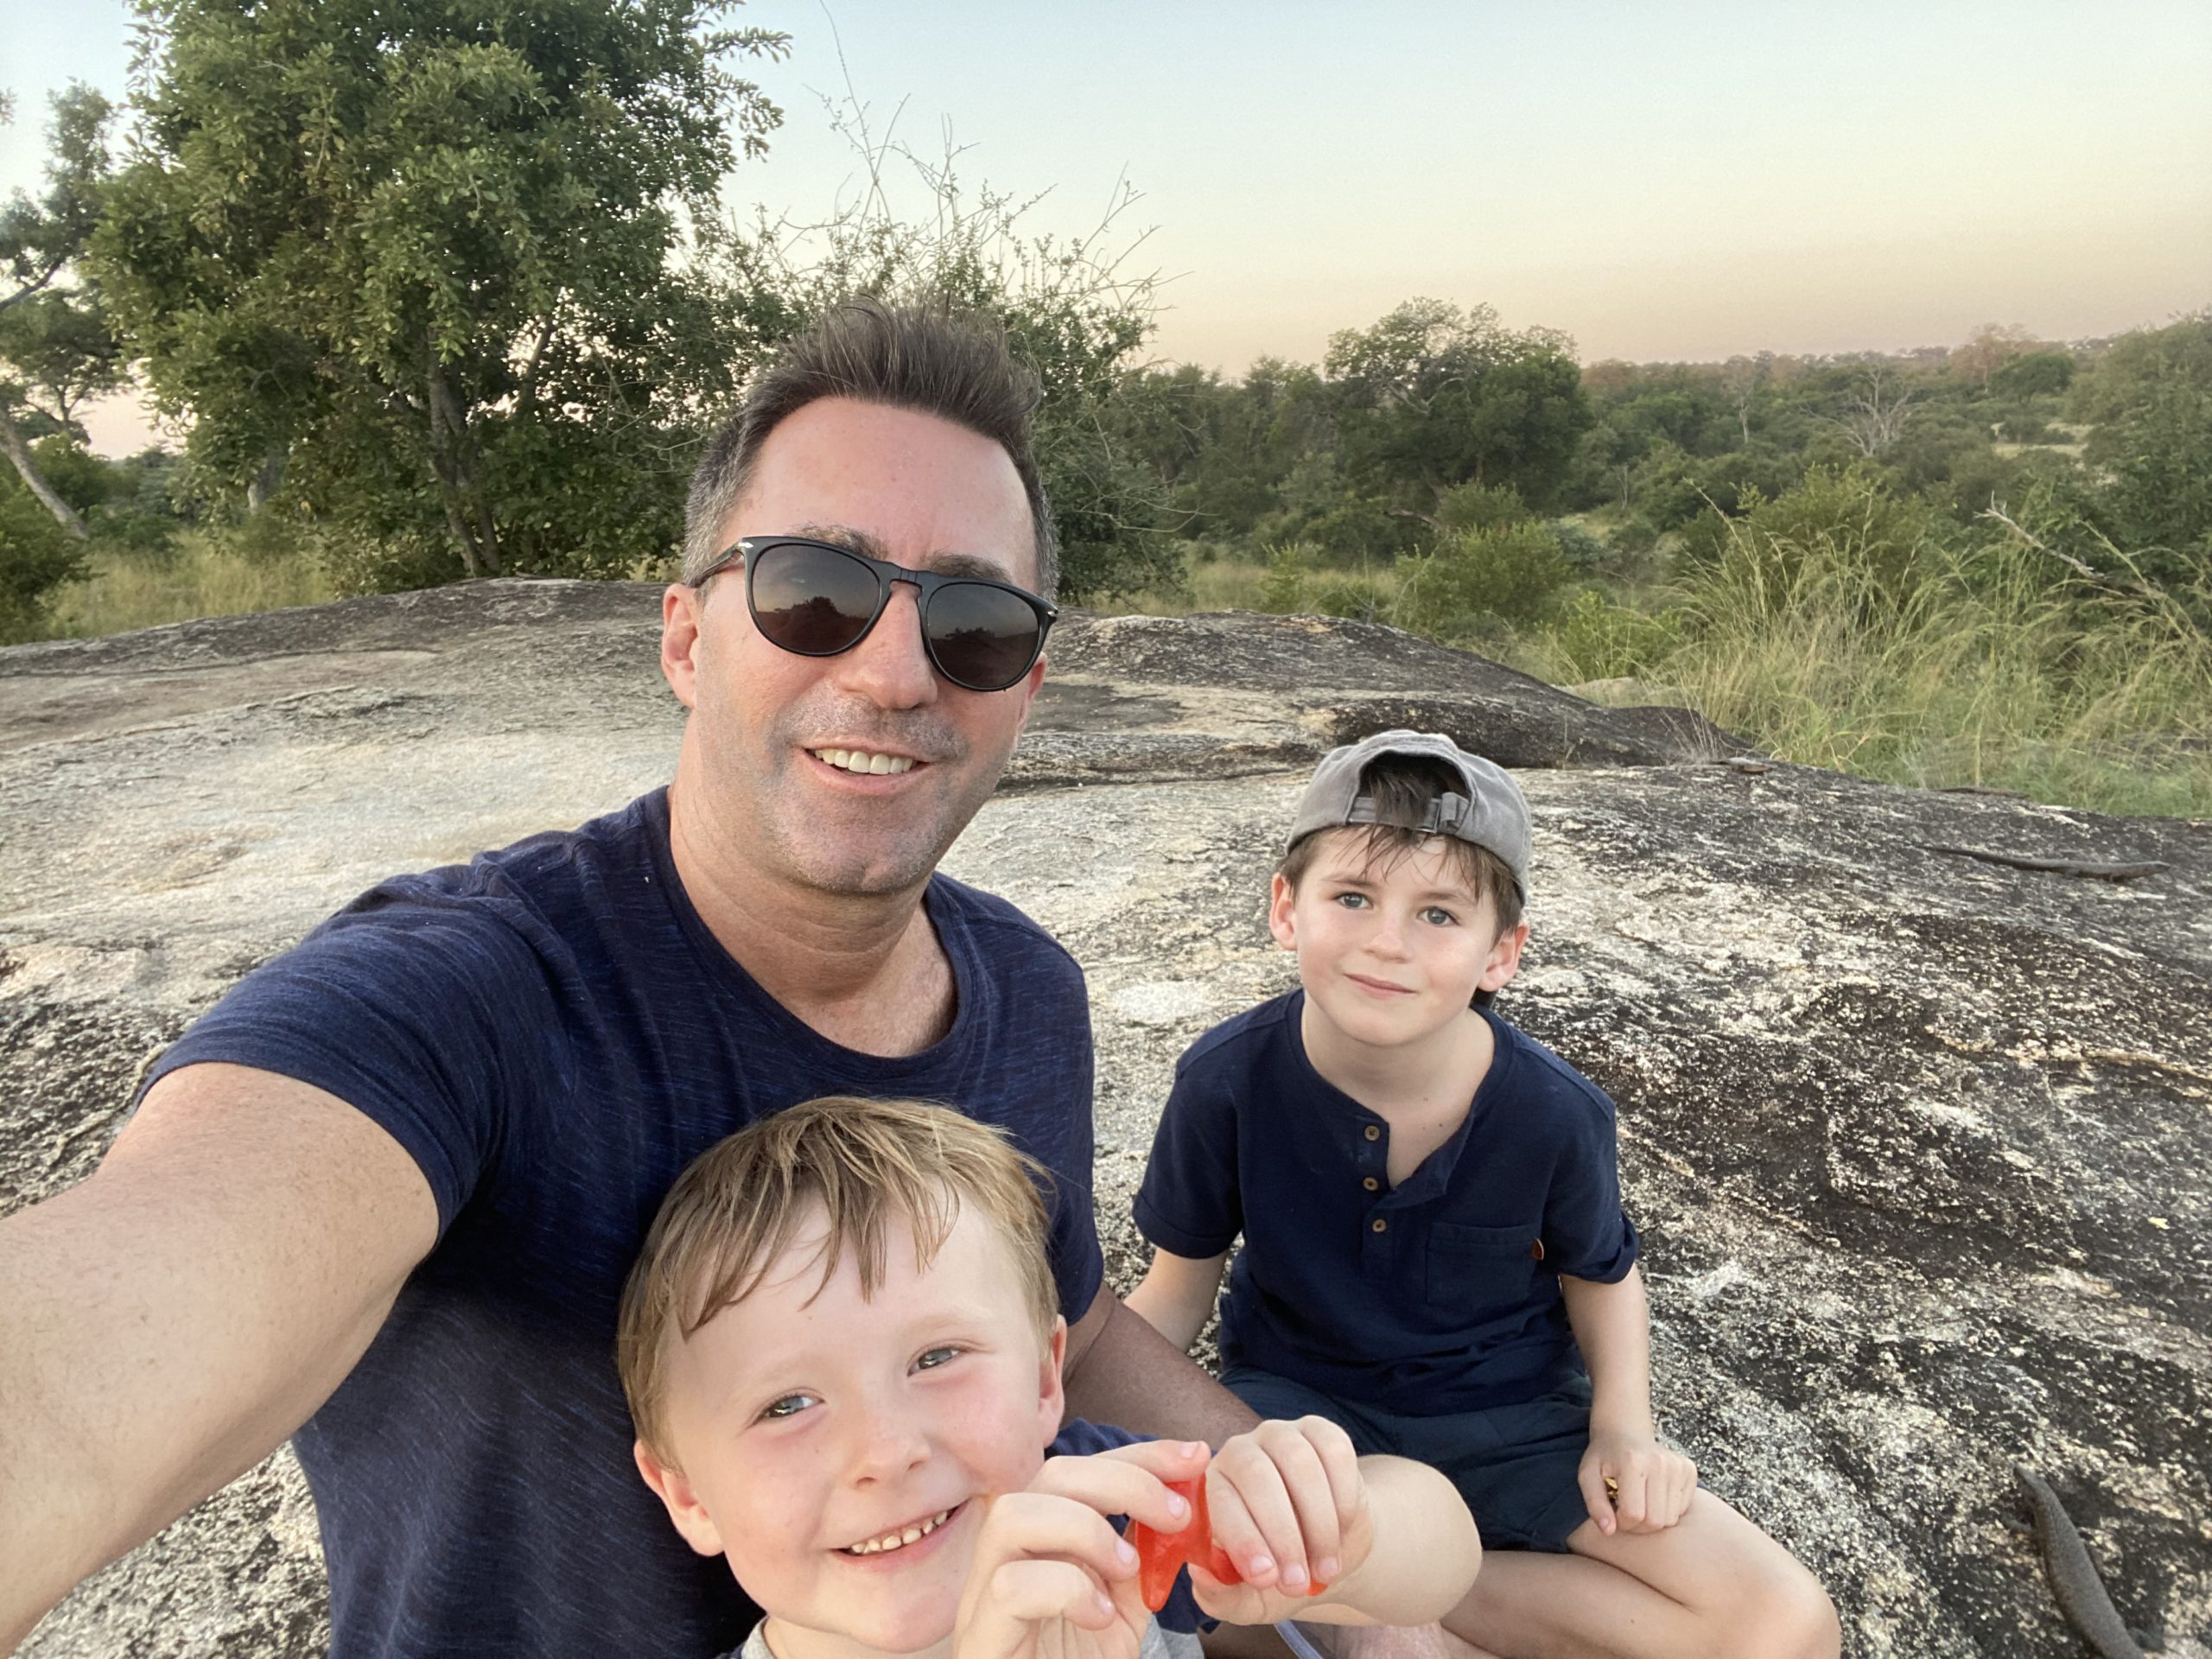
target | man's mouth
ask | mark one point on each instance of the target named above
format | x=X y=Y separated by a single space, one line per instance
x=913 y=1532
x=863 y=761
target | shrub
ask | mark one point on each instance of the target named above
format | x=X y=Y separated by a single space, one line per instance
x=1509 y=574
x=1592 y=637
x=1481 y=507
x=36 y=557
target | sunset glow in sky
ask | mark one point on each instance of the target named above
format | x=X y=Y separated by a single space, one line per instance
x=1660 y=180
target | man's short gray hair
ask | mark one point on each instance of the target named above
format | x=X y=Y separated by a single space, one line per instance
x=928 y=359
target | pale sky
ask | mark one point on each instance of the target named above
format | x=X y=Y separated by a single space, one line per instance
x=1660 y=180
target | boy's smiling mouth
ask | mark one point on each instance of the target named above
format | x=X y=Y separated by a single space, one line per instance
x=899 y=1538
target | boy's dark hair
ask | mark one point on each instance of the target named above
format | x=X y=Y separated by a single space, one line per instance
x=1401 y=787
x=929 y=359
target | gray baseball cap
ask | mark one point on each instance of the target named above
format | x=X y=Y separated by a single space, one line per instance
x=1488 y=809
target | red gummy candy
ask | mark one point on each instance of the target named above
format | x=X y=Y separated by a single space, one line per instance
x=1162 y=1555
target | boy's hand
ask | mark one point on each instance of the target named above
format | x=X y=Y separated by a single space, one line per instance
x=1051 y=1579
x=1289 y=1506
x=1630 y=1483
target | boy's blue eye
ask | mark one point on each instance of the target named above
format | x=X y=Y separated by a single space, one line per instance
x=1352 y=901
x=790 y=1406
x=933 y=1358
x=1437 y=916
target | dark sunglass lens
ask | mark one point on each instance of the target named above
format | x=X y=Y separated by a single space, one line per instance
x=983 y=637
x=811 y=599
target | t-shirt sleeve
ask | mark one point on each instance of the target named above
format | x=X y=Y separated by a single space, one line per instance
x=426 y=1015
x=1189 y=1203
x=1586 y=1235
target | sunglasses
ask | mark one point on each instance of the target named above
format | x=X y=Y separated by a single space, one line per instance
x=815 y=599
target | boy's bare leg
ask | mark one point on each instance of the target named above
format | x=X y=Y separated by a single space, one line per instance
x=1711 y=1587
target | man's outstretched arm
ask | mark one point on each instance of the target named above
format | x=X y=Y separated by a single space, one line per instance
x=169 y=1322
x=1121 y=1371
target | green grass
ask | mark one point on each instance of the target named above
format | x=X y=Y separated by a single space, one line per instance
x=195 y=576
x=1995 y=668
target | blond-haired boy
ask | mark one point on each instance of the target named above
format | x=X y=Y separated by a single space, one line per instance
x=842 y=1349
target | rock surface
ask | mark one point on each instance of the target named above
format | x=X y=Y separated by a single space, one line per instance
x=1917 y=1141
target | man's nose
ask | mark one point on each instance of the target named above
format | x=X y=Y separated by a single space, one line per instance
x=890 y=668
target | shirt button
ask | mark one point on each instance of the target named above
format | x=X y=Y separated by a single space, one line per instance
x=1380 y=1225
x=1373 y=1133
x=1371 y=1184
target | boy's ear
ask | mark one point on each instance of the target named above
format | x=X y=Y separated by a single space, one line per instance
x=1052 y=1400
x=1280 y=896
x=1504 y=957
x=684 y=1509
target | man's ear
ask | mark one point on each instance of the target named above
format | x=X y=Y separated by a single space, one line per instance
x=1052 y=1400
x=1280 y=923
x=683 y=1506
x=679 y=640
x=1504 y=957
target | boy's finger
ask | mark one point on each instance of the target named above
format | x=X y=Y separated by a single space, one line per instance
x=1348 y=1501
x=1130 y=1480
x=1253 y=1518
x=1634 y=1502
x=1030 y=1524
x=1596 y=1497
x=1300 y=1453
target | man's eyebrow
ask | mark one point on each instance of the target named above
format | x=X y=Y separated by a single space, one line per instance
x=942 y=564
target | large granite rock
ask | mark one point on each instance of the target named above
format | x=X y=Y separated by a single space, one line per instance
x=1916 y=1141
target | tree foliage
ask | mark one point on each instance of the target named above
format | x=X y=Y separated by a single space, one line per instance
x=1433 y=397
x=417 y=260
x=52 y=340
x=1072 y=307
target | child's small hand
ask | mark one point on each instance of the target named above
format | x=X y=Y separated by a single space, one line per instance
x=1050 y=1578
x=1631 y=1482
x=1289 y=1506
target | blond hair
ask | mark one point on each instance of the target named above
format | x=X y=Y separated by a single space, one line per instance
x=867 y=1164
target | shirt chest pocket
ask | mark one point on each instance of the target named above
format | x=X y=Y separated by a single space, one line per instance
x=1474 y=1268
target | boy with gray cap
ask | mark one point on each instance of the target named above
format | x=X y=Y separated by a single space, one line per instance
x=1434 y=1255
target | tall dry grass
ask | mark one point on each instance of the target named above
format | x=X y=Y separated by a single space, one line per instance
x=1995 y=666
x=194 y=575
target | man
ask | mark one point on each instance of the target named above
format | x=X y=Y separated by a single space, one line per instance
x=383 y=1195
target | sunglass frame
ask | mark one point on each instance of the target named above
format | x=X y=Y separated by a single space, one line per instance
x=746 y=549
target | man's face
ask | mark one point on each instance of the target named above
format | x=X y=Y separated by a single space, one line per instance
x=839 y=1450
x=1390 y=950
x=899 y=485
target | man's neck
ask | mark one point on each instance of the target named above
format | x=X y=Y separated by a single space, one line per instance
x=865 y=970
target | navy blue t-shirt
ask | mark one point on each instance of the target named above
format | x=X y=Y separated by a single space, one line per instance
x=1441 y=1295
x=553 y=1034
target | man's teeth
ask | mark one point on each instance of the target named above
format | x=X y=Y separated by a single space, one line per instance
x=900 y=1540
x=861 y=760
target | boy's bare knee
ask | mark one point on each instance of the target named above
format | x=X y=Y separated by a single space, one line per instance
x=1791 y=1617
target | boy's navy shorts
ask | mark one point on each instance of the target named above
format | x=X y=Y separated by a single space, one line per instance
x=1514 y=1465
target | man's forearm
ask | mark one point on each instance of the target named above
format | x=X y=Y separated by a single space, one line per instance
x=166 y=1323
x=1132 y=1377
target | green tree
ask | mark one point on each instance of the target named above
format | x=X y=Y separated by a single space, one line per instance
x=1071 y=308
x=50 y=338
x=1431 y=396
x=417 y=260
x=2149 y=398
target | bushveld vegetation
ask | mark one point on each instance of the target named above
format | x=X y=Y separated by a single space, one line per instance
x=377 y=287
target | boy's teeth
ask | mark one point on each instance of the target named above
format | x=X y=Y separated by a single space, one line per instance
x=862 y=760
x=899 y=1540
